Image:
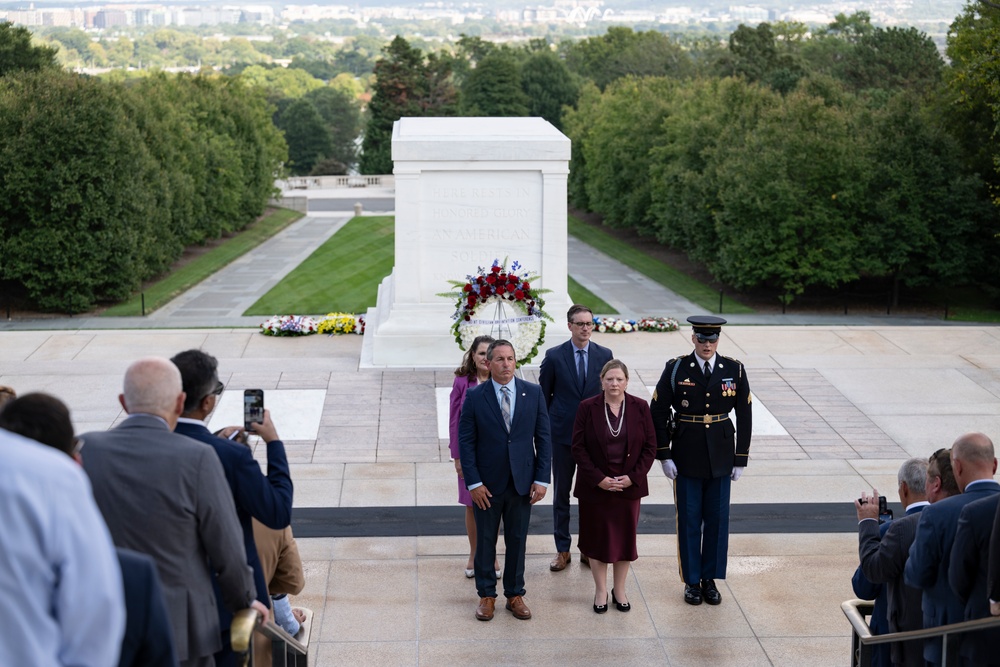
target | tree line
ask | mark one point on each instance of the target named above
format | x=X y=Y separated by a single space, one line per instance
x=106 y=182
x=784 y=159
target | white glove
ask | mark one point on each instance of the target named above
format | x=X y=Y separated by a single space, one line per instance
x=736 y=473
x=669 y=468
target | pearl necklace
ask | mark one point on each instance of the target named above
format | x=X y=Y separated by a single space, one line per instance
x=621 y=422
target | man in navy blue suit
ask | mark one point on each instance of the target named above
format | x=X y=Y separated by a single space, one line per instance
x=883 y=550
x=569 y=373
x=267 y=498
x=974 y=463
x=506 y=452
x=967 y=575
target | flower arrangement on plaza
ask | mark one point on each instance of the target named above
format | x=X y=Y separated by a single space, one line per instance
x=614 y=325
x=342 y=323
x=618 y=325
x=303 y=325
x=498 y=300
x=289 y=325
x=658 y=324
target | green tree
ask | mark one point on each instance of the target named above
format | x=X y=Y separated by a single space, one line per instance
x=894 y=59
x=406 y=85
x=755 y=54
x=622 y=52
x=923 y=210
x=280 y=82
x=620 y=132
x=78 y=220
x=341 y=117
x=493 y=88
x=787 y=198
x=549 y=86
x=306 y=134
x=17 y=53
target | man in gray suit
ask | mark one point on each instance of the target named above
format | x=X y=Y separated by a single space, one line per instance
x=883 y=559
x=166 y=496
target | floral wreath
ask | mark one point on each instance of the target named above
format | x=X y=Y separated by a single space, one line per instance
x=493 y=291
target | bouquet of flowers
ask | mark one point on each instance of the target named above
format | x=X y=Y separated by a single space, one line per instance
x=289 y=325
x=502 y=303
x=342 y=323
x=658 y=324
x=614 y=325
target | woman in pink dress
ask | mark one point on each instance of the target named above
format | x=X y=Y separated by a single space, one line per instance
x=474 y=370
x=614 y=445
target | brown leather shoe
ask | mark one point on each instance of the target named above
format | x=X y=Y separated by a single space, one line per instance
x=484 y=612
x=584 y=560
x=560 y=562
x=518 y=608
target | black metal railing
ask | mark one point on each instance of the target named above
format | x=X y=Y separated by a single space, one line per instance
x=862 y=639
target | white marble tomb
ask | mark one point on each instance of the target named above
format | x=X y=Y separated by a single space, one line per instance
x=468 y=191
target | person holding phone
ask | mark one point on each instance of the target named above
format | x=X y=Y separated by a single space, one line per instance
x=267 y=498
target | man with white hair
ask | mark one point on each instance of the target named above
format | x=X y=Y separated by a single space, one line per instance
x=166 y=495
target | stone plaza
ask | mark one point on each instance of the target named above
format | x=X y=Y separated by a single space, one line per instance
x=372 y=474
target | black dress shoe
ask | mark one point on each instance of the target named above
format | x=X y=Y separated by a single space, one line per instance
x=620 y=606
x=692 y=594
x=601 y=608
x=710 y=592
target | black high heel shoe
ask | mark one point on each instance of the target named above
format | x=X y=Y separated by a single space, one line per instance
x=620 y=606
x=601 y=608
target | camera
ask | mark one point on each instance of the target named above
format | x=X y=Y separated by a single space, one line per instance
x=884 y=513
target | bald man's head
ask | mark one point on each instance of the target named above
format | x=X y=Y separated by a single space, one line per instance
x=973 y=458
x=153 y=386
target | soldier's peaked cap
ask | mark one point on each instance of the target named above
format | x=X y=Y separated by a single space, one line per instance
x=706 y=325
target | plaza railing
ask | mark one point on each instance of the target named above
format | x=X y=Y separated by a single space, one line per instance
x=862 y=639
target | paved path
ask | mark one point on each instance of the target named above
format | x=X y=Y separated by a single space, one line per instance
x=221 y=300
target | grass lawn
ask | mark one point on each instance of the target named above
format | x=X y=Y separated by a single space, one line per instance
x=341 y=275
x=673 y=280
x=580 y=294
x=201 y=267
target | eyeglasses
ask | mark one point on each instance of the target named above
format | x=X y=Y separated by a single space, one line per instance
x=589 y=324
x=77 y=446
x=219 y=388
x=714 y=338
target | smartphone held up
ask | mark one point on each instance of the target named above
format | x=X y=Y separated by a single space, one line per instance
x=253 y=407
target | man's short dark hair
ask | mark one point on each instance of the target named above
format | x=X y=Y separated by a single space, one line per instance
x=577 y=308
x=499 y=343
x=939 y=465
x=41 y=417
x=199 y=374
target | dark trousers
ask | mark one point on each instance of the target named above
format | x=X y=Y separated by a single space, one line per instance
x=563 y=467
x=514 y=510
x=702 y=527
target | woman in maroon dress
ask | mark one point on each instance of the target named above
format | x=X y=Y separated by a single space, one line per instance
x=474 y=370
x=614 y=445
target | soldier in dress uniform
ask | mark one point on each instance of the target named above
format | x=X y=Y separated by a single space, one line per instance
x=705 y=453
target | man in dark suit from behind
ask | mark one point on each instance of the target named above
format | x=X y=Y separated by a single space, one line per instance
x=883 y=557
x=506 y=458
x=148 y=641
x=974 y=463
x=967 y=575
x=569 y=373
x=165 y=495
x=267 y=498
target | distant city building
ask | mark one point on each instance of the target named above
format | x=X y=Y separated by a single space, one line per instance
x=109 y=18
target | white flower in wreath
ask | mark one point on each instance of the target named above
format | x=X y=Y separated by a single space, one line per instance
x=500 y=318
